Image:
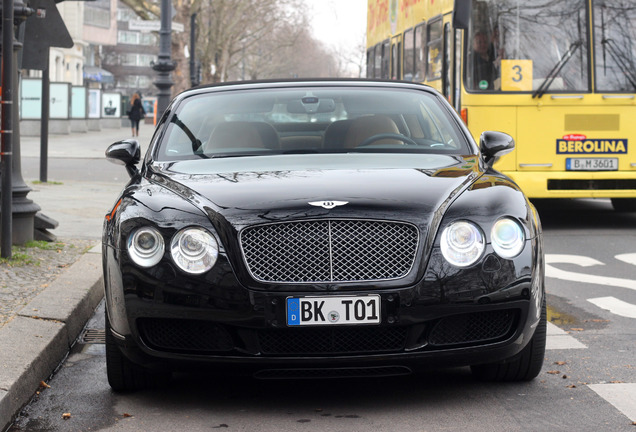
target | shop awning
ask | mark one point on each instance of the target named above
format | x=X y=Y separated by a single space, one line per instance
x=94 y=73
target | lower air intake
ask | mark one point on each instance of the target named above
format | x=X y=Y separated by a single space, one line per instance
x=479 y=327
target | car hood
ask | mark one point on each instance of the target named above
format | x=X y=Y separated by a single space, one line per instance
x=249 y=190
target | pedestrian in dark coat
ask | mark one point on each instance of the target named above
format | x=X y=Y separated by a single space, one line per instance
x=136 y=113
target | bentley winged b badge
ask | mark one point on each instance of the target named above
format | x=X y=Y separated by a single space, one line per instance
x=328 y=204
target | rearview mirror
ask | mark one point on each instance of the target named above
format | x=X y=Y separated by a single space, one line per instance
x=493 y=145
x=311 y=105
x=127 y=153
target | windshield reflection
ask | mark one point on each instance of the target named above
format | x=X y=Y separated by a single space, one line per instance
x=523 y=45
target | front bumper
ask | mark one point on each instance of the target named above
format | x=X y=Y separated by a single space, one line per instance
x=163 y=322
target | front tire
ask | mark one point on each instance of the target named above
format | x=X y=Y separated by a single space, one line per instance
x=524 y=366
x=624 y=204
x=124 y=375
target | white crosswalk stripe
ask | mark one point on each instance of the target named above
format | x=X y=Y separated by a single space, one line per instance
x=621 y=395
x=615 y=306
x=559 y=339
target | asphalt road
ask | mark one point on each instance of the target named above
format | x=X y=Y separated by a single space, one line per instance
x=588 y=382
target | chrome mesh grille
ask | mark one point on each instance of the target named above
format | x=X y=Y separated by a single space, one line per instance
x=329 y=251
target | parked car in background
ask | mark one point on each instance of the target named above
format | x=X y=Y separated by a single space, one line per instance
x=323 y=228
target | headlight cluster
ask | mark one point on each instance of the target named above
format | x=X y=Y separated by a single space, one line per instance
x=463 y=242
x=194 y=250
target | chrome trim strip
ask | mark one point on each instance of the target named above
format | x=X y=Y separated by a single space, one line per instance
x=544 y=165
x=117 y=335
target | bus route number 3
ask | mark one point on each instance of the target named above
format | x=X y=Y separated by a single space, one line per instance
x=516 y=75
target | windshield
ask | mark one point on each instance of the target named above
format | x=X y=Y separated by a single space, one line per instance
x=615 y=45
x=254 y=122
x=530 y=45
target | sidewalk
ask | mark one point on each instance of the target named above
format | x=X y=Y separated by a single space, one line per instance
x=43 y=308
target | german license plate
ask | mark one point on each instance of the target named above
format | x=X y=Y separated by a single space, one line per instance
x=591 y=164
x=333 y=310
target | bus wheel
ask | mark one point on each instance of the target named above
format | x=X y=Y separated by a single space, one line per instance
x=624 y=204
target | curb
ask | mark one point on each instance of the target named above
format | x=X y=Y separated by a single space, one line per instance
x=41 y=335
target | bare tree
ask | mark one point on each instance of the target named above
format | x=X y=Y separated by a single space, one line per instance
x=244 y=39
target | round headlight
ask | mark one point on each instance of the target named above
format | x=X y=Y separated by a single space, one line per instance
x=507 y=238
x=462 y=243
x=194 y=250
x=145 y=246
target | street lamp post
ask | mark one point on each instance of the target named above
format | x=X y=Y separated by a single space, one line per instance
x=164 y=65
x=22 y=209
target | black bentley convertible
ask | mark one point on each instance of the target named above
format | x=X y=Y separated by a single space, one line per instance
x=304 y=229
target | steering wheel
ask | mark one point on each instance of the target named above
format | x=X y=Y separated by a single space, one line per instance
x=377 y=137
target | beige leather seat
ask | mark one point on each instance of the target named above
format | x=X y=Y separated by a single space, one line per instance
x=240 y=134
x=364 y=127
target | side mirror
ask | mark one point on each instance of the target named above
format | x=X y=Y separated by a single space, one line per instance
x=127 y=153
x=493 y=145
x=461 y=14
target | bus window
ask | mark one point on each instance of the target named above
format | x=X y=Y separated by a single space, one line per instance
x=370 y=62
x=615 y=46
x=386 y=59
x=409 y=55
x=434 y=49
x=396 y=58
x=447 y=73
x=420 y=46
x=457 y=71
x=377 y=69
x=527 y=46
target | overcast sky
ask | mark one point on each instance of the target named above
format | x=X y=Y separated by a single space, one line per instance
x=338 y=23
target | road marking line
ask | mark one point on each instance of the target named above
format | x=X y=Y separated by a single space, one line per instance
x=629 y=258
x=583 y=261
x=615 y=306
x=621 y=395
x=579 y=260
x=559 y=339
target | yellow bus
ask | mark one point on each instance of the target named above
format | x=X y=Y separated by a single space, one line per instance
x=559 y=76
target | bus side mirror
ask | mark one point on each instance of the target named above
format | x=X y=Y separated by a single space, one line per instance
x=493 y=145
x=461 y=14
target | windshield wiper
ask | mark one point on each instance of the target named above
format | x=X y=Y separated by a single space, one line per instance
x=620 y=61
x=196 y=142
x=235 y=154
x=545 y=85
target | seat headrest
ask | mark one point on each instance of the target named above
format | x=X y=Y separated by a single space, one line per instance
x=364 y=127
x=241 y=134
